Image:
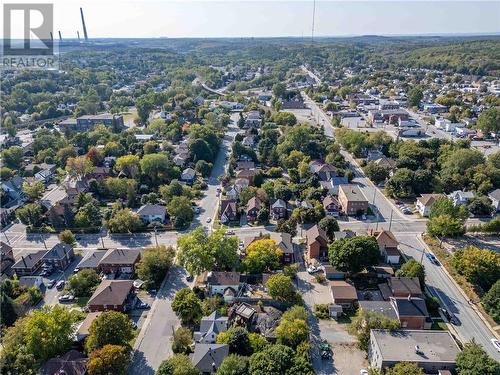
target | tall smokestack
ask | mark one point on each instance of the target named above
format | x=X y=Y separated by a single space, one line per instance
x=51 y=36
x=60 y=36
x=78 y=34
x=84 y=27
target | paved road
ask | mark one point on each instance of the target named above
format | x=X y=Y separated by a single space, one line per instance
x=407 y=231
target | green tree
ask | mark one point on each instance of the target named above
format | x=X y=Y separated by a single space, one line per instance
x=489 y=120
x=187 y=306
x=491 y=301
x=375 y=172
x=12 y=157
x=284 y=118
x=33 y=190
x=279 y=90
x=64 y=154
x=330 y=226
x=124 y=221
x=67 y=237
x=200 y=252
x=233 y=365
x=204 y=168
x=238 y=340
x=480 y=206
x=183 y=338
x=412 y=268
x=30 y=214
x=274 y=360
x=414 y=97
x=262 y=255
x=83 y=283
x=109 y=328
x=354 y=254
x=155 y=264
x=110 y=359
x=292 y=332
x=405 y=368
x=128 y=165
x=364 y=321
x=181 y=210
x=89 y=215
x=179 y=364
x=445 y=219
x=257 y=342
x=473 y=360
x=480 y=266
x=401 y=184
x=158 y=168
x=280 y=287
x=79 y=167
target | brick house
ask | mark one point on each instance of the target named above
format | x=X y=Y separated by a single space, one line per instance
x=343 y=294
x=60 y=256
x=352 y=200
x=29 y=264
x=317 y=242
x=254 y=205
x=411 y=312
x=120 y=261
x=278 y=209
x=117 y=295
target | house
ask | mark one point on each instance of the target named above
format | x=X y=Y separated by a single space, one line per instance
x=119 y=261
x=188 y=175
x=278 y=209
x=424 y=203
x=352 y=200
x=495 y=199
x=401 y=287
x=245 y=164
x=411 y=312
x=70 y=363
x=386 y=163
x=434 y=108
x=247 y=174
x=91 y=260
x=6 y=257
x=83 y=329
x=44 y=170
x=253 y=119
x=152 y=213
x=99 y=173
x=228 y=211
x=324 y=171
x=225 y=284
x=374 y=155
x=31 y=281
x=384 y=308
x=430 y=350
x=460 y=197
x=29 y=264
x=332 y=185
x=285 y=244
x=331 y=205
x=388 y=246
x=233 y=193
x=343 y=294
x=210 y=327
x=60 y=256
x=391 y=116
x=89 y=122
x=207 y=358
x=254 y=205
x=13 y=188
x=342 y=234
x=317 y=242
x=117 y=295
x=242 y=314
x=241 y=183
x=266 y=323
x=248 y=141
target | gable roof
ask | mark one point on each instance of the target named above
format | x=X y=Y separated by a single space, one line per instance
x=410 y=306
x=121 y=256
x=71 y=363
x=342 y=290
x=386 y=239
x=495 y=194
x=279 y=203
x=83 y=329
x=283 y=241
x=316 y=234
x=92 y=259
x=58 y=251
x=428 y=199
x=29 y=260
x=208 y=357
x=405 y=285
x=111 y=292
x=223 y=278
x=151 y=209
x=254 y=203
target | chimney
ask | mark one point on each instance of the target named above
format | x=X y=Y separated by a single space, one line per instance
x=84 y=27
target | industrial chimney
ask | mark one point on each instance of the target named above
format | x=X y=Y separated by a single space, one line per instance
x=84 y=27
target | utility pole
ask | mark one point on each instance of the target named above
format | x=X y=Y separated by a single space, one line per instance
x=423 y=252
x=390 y=221
x=102 y=240
x=156 y=237
x=7 y=238
x=43 y=240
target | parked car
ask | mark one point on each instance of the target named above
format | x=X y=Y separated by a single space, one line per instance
x=60 y=285
x=432 y=258
x=312 y=270
x=51 y=284
x=66 y=298
x=449 y=316
x=144 y=306
x=326 y=351
x=209 y=220
x=496 y=344
x=229 y=232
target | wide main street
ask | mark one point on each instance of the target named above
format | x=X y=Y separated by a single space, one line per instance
x=407 y=231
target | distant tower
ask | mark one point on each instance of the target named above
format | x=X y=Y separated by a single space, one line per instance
x=60 y=36
x=84 y=27
x=78 y=34
x=51 y=36
x=313 y=17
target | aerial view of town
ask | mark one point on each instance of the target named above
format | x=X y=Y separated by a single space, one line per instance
x=284 y=205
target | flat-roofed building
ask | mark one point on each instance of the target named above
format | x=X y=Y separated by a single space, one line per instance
x=352 y=200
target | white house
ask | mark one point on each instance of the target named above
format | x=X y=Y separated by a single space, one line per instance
x=460 y=197
x=495 y=199
x=464 y=131
x=225 y=284
x=424 y=203
x=188 y=175
x=210 y=327
x=152 y=212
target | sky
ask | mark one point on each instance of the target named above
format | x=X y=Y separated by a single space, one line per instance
x=270 y=18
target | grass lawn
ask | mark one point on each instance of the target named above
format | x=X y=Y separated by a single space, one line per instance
x=439 y=326
x=347 y=317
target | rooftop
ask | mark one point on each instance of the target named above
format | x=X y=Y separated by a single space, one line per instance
x=111 y=292
x=399 y=345
x=353 y=193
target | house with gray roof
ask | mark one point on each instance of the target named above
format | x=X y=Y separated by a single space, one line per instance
x=210 y=327
x=495 y=199
x=152 y=213
x=60 y=256
x=208 y=357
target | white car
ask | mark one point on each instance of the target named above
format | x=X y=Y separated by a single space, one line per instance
x=209 y=220
x=312 y=269
x=363 y=372
x=496 y=344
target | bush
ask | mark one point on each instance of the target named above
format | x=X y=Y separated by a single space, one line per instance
x=182 y=341
x=480 y=266
x=321 y=311
x=491 y=301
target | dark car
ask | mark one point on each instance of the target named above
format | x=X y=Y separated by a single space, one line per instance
x=51 y=284
x=449 y=316
x=432 y=258
x=143 y=306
